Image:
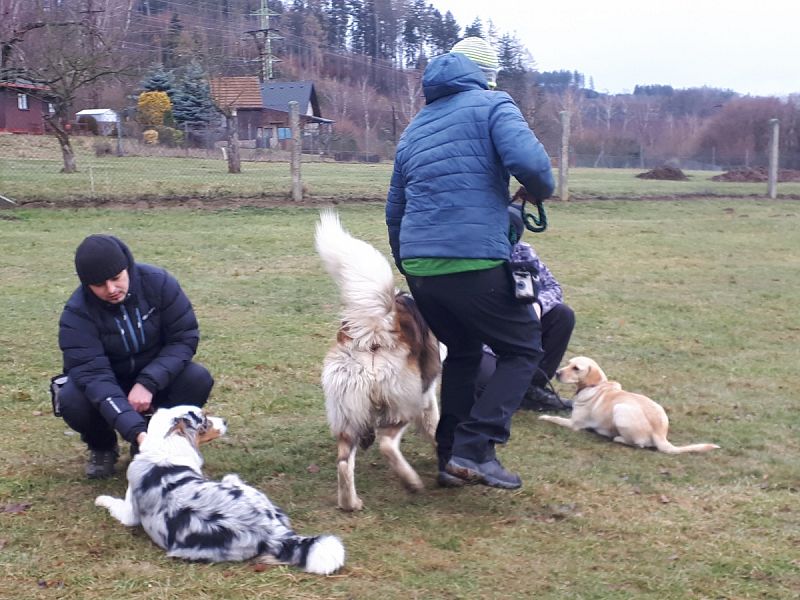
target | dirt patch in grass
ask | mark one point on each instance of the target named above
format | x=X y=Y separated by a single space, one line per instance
x=756 y=175
x=192 y=202
x=664 y=173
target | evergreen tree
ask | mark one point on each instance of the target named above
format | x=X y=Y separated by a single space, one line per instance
x=192 y=104
x=444 y=31
x=362 y=29
x=474 y=30
x=411 y=41
x=158 y=79
x=509 y=54
x=169 y=50
x=336 y=24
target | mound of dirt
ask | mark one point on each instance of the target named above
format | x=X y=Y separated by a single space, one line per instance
x=756 y=175
x=665 y=173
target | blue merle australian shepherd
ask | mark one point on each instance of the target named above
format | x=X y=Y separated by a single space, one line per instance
x=194 y=518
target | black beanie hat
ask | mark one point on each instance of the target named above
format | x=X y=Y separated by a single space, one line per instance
x=98 y=258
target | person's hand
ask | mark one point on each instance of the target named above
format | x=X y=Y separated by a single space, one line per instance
x=140 y=398
x=140 y=438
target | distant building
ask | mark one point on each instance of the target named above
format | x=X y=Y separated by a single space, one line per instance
x=263 y=110
x=23 y=107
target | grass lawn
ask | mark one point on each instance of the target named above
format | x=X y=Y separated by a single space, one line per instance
x=690 y=302
x=30 y=165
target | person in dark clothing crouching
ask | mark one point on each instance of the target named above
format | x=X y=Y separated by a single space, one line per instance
x=558 y=322
x=128 y=335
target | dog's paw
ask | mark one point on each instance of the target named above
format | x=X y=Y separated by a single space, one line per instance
x=104 y=501
x=414 y=484
x=355 y=505
x=233 y=480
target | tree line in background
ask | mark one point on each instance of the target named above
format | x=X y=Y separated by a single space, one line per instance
x=365 y=58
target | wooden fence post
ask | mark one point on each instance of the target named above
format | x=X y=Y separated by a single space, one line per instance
x=294 y=123
x=563 y=163
x=772 y=182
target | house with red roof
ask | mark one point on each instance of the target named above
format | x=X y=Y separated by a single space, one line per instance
x=262 y=110
x=23 y=107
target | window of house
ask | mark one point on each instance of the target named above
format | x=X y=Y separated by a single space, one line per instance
x=22 y=101
x=51 y=108
x=284 y=133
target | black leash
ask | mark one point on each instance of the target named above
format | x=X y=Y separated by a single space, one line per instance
x=536 y=223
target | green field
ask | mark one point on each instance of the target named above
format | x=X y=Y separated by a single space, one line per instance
x=30 y=165
x=691 y=302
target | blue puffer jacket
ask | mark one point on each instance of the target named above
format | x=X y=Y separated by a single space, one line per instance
x=149 y=338
x=449 y=190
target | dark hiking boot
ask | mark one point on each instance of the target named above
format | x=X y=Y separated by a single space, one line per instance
x=444 y=479
x=489 y=473
x=540 y=399
x=101 y=463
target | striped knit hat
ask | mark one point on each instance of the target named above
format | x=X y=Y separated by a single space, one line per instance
x=482 y=54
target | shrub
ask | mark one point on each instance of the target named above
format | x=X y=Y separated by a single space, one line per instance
x=103 y=148
x=152 y=107
x=150 y=136
x=169 y=136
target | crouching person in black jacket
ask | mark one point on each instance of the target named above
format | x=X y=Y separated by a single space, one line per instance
x=128 y=335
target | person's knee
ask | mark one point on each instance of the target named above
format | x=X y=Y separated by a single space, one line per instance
x=197 y=384
x=72 y=401
x=563 y=317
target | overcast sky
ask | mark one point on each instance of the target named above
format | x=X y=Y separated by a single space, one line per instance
x=750 y=47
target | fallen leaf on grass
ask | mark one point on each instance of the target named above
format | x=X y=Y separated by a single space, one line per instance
x=664 y=499
x=16 y=508
x=3 y=543
x=312 y=468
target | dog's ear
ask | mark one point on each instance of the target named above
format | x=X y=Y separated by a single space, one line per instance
x=181 y=426
x=594 y=375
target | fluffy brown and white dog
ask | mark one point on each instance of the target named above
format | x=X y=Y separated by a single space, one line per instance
x=194 y=518
x=603 y=406
x=381 y=373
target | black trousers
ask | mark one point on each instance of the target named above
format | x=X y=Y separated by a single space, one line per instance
x=191 y=386
x=557 y=326
x=465 y=311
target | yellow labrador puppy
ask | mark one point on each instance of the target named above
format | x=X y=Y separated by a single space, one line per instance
x=603 y=406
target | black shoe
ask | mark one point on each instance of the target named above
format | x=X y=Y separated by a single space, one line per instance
x=101 y=463
x=544 y=400
x=444 y=479
x=489 y=473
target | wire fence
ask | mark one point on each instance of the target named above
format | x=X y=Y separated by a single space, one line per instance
x=119 y=166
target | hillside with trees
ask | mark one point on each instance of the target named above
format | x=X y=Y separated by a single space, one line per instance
x=365 y=58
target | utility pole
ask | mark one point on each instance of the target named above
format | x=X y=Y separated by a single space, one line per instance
x=263 y=38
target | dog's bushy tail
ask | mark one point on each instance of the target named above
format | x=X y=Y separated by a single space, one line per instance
x=361 y=272
x=321 y=554
x=664 y=446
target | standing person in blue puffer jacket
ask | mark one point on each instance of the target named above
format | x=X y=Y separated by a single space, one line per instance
x=128 y=335
x=448 y=229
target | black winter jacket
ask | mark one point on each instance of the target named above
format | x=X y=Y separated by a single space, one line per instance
x=149 y=338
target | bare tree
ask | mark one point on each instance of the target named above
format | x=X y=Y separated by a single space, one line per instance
x=53 y=52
